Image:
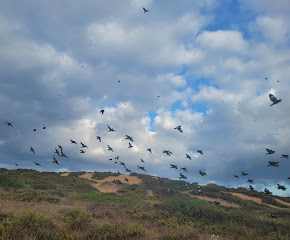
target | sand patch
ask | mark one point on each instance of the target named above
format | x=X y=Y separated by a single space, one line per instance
x=105 y=185
x=284 y=203
x=149 y=193
x=222 y=201
x=64 y=174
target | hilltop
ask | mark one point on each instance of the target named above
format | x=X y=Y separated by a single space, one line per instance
x=95 y=205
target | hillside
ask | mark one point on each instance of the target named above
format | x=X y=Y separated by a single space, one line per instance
x=103 y=205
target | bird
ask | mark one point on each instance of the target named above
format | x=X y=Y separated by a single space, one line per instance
x=34 y=130
x=99 y=138
x=126 y=179
x=244 y=173
x=202 y=173
x=129 y=138
x=74 y=180
x=160 y=180
x=179 y=128
x=288 y=178
x=72 y=141
x=273 y=164
x=142 y=160
x=272 y=216
x=171 y=191
x=236 y=176
x=184 y=169
x=32 y=150
x=286 y=156
x=110 y=149
x=167 y=152
x=182 y=176
x=130 y=145
x=111 y=159
x=82 y=151
x=16 y=164
x=83 y=145
x=119 y=182
x=269 y=151
x=281 y=187
x=266 y=190
x=44 y=127
x=187 y=156
x=121 y=163
x=142 y=168
x=216 y=203
x=128 y=170
x=57 y=152
x=173 y=166
x=63 y=155
x=250 y=181
x=274 y=99
x=36 y=163
x=149 y=150
x=110 y=129
x=55 y=161
x=60 y=147
x=102 y=111
x=145 y=10
x=9 y=124
x=200 y=151
x=117 y=158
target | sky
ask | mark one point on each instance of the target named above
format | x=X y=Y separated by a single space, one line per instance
x=207 y=65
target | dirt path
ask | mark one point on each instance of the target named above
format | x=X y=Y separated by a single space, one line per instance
x=222 y=201
x=259 y=200
x=64 y=174
x=106 y=186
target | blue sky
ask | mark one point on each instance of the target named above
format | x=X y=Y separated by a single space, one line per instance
x=60 y=63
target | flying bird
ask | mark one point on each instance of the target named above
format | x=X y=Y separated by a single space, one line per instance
x=126 y=179
x=178 y=128
x=269 y=151
x=72 y=141
x=187 y=156
x=57 y=152
x=200 y=151
x=32 y=150
x=110 y=149
x=182 y=176
x=142 y=160
x=274 y=99
x=273 y=164
x=55 y=160
x=129 y=138
x=286 y=156
x=236 y=176
x=99 y=138
x=117 y=158
x=142 y=168
x=34 y=130
x=216 y=203
x=110 y=129
x=130 y=145
x=244 y=173
x=9 y=124
x=83 y=145
x=121 y=163
x=251 y=188
x=202 y=173
x=63 y=155
x=82 y=151
x=60 y=147
x=167 y=152
x=36 y=163
x=184 y=169
x=145 y=10
x=266 y=190
x=173 y=166
x=16 y=164
x=102 y=111
x=44 y=127
x=128 y=170
x=281 y=187
x=149 y=150
x=250 y=181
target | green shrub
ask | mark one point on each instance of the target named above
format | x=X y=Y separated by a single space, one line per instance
x=37 y=196
x=7 y=182
x=77 y=219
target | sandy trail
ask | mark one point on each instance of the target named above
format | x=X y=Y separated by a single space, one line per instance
x=222 y=201
x=259 y=200
x=106 y=186
x=64 y=174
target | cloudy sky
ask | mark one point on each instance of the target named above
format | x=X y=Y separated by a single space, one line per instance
x=207 y=65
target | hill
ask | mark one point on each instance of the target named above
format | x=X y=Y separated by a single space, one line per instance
x=106 y=205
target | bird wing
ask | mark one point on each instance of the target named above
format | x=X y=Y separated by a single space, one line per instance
x=272 y=98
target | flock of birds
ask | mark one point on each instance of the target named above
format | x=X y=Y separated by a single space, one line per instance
x=59 y=152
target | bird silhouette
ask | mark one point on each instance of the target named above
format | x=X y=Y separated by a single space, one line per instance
x=145 y=10
x=142 y=160
x=250 y=181
x=129 y=138
x=274 y=99
x=110 y=129
x=187 y=156
x=182 y=176
x=56 y=151
x=128 y=170
x=200 y=151
x=202 y=173
x=184 y=169
x=126 y=179
x=273 y=164
x=179 y=128
x=72 y=141
x=37 y=164
x=142 y=168
x=236 y=176
x=99 y=138
x=149 y=150
x=9 y=124
x=62 y=154
x=83 y=145
x=251 y=188
x=55 y=160
x=82 y=151
x=269 y=151
x=102 y=111
x=173 y=166
x=16 y=164
x=286 y=156
x=216 y=203
x=117 y=158
x=266 y=190
x=244 y=173
x=167 y=152
x=32 y=150
x=60 y=147
x=130 y=145
x=281 y=187
x=110 y=149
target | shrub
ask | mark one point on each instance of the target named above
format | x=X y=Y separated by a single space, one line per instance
x=77 y=219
